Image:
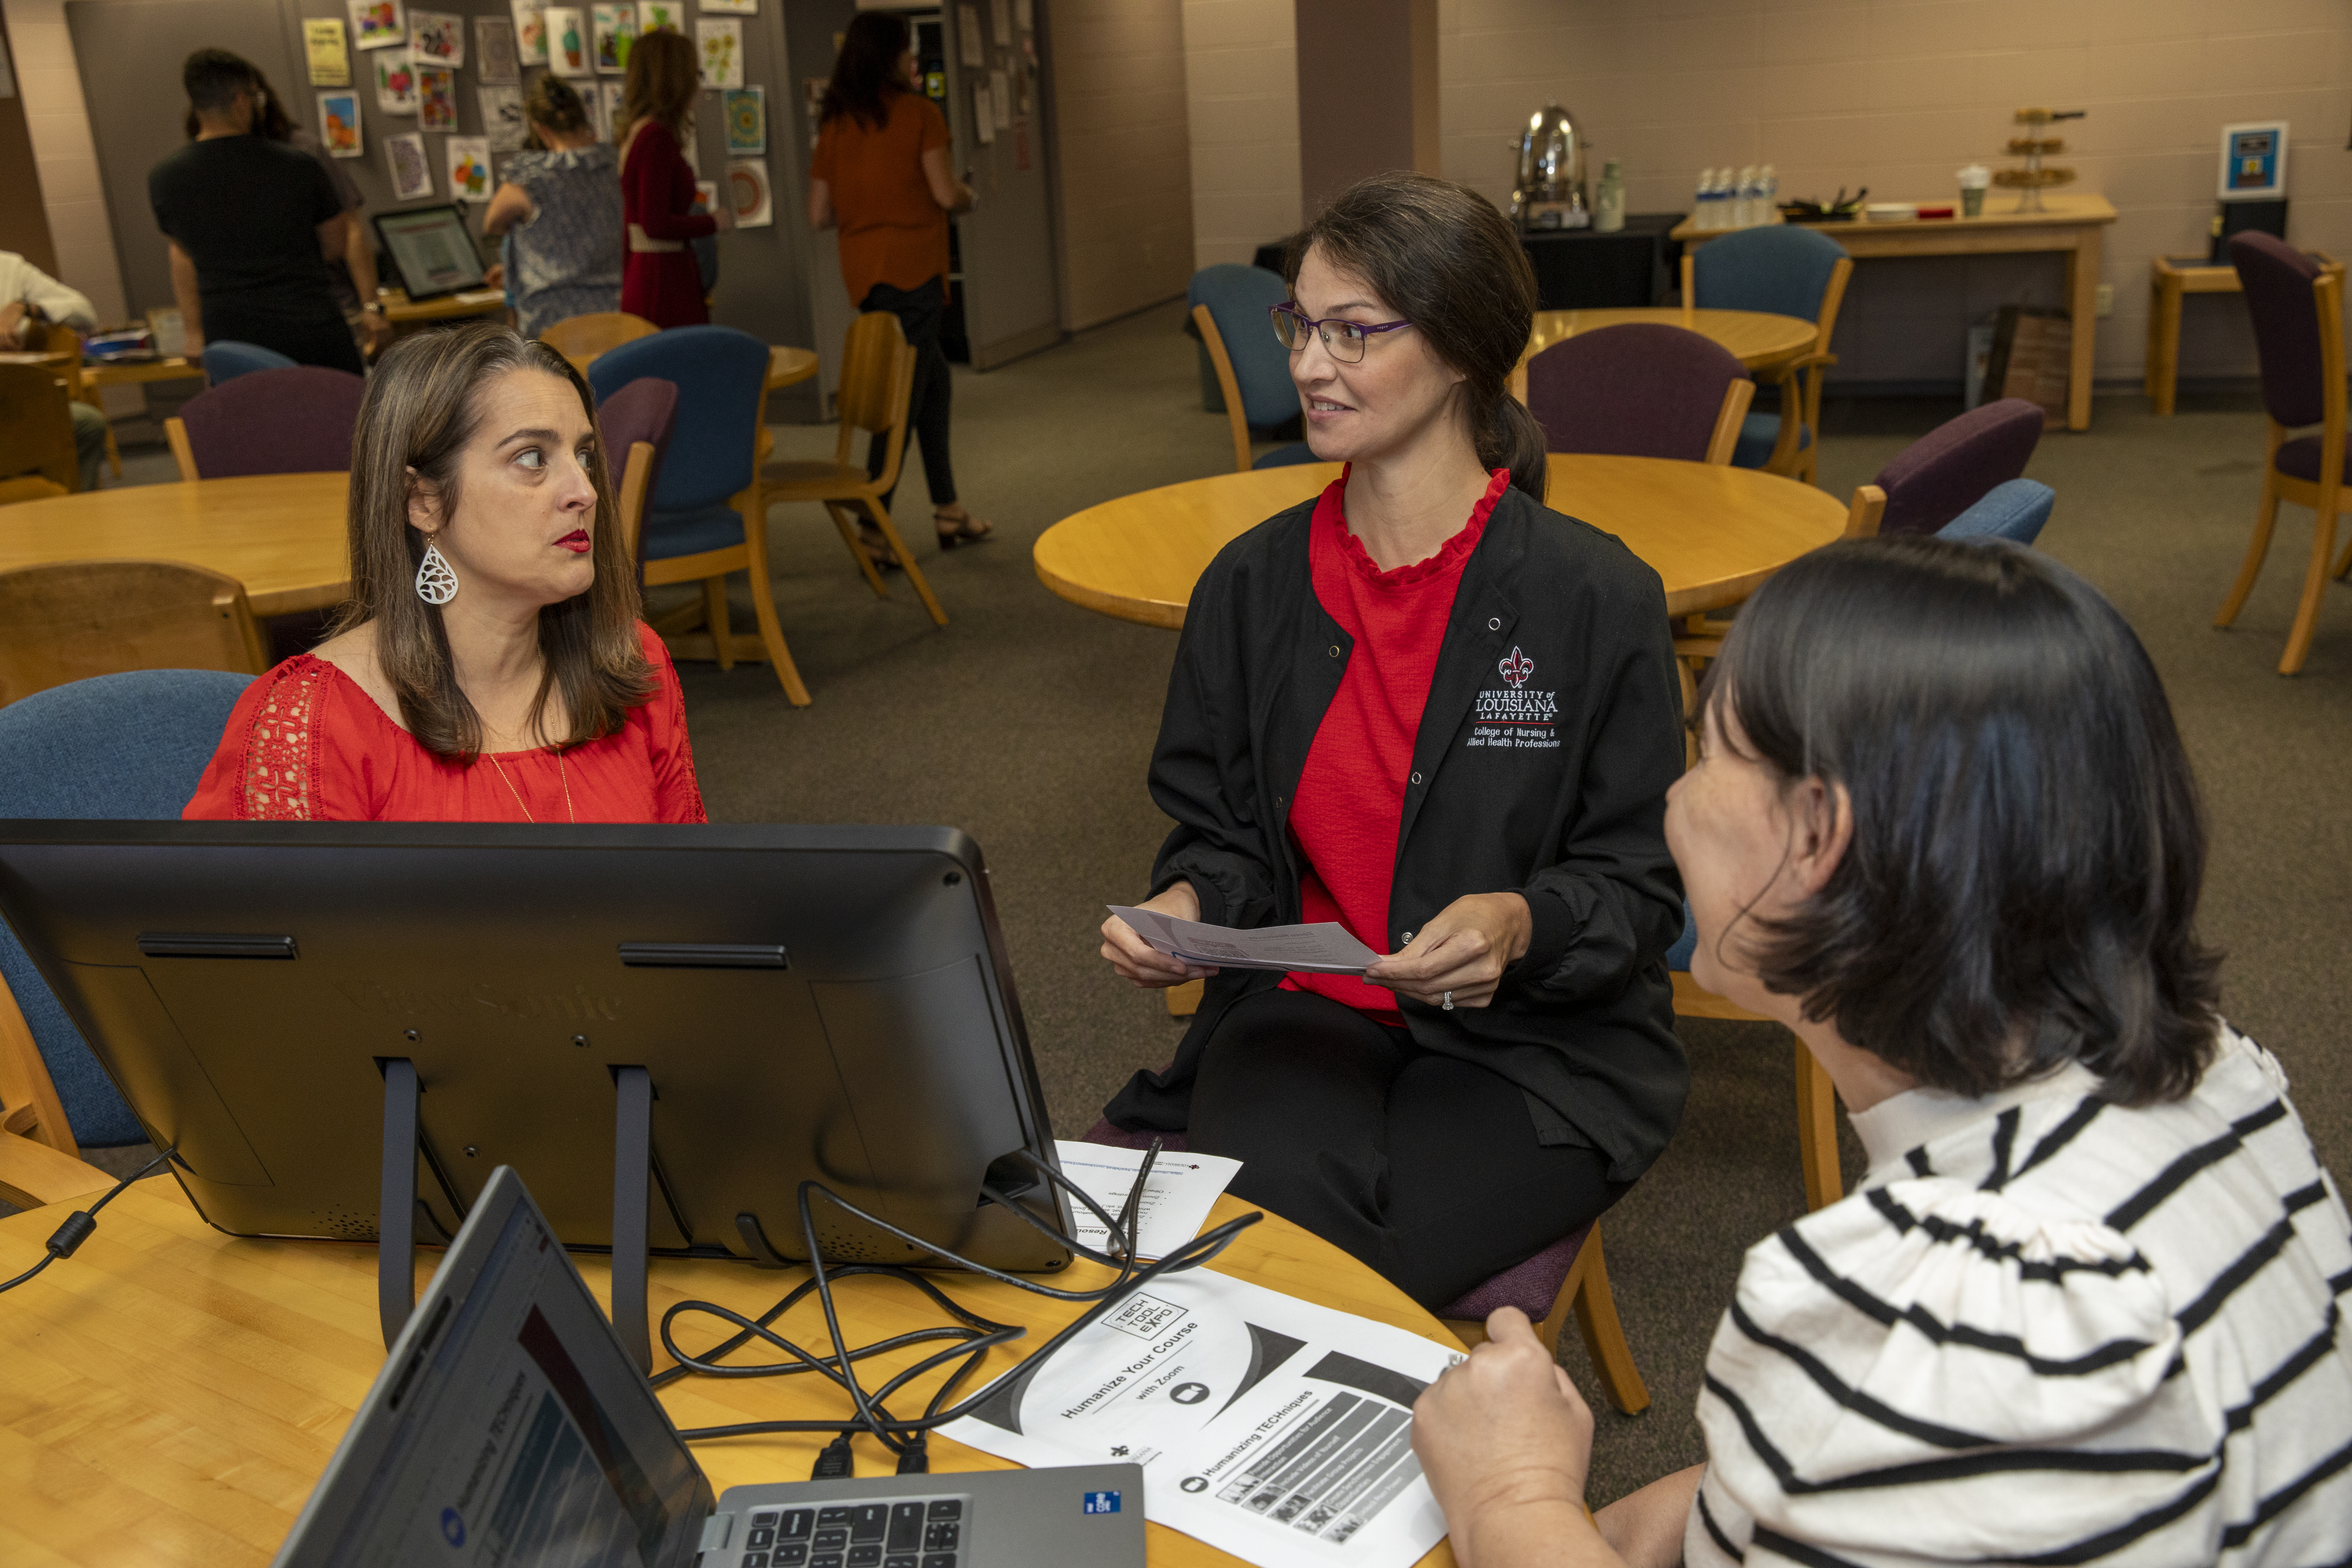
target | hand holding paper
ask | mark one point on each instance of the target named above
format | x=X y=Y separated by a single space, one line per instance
x=1325 y=949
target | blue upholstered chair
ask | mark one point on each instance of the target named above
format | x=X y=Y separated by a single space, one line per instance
x=119 y=747
x=1786 y=271
x=228 y=359
x=2014 y=511
x=1640 y=390
x=1229 y=303
x=703 y=518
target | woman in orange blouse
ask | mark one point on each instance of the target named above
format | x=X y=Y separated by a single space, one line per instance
x=659 y=280
x=881 y=172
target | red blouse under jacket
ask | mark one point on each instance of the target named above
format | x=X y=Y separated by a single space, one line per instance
x=1350 y=797
x=306 y=743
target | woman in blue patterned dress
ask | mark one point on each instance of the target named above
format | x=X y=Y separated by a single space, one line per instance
x=562 y=204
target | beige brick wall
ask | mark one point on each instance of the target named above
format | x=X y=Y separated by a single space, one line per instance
x=1126 y=168
x=1898 y=94
x=1241 y=76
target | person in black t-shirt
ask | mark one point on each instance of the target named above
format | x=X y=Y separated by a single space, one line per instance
x=251 y=224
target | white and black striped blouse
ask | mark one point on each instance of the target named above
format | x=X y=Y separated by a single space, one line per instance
x=2046 y=1330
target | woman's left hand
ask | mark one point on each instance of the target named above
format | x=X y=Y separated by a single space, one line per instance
x=1462 y=952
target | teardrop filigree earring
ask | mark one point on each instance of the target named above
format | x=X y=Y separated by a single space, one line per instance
x=435 y=583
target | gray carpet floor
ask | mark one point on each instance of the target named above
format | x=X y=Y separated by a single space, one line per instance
x=1028 y=722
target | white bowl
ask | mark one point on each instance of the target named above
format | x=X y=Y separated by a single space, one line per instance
x=1890 y=212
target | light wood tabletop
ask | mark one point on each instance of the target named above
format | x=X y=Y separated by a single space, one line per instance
x=1759 y=338
x=789 y=367
x=281 y=536
x=401 y=311
x=172 y=1394
x=1714 y=534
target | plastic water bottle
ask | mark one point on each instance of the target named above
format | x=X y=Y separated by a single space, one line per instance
x=1743 y=199
x=1703 y=201
x=1768 y=183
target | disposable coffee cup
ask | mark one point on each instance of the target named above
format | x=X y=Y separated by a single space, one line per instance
x=1972 y=202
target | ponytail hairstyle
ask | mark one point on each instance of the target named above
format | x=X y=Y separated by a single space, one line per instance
x=1441 y=256
x=555 y=104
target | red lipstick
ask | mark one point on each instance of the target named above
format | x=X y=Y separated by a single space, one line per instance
x=575 y=542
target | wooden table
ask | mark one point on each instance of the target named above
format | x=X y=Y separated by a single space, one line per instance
x=130 y=373
x=2168 y=279
x=789 y=367
x=402 y=313
x=1713 y=533
x=172 y=1394
x=2073 y=225
x=279 y=534
x=1759 y=338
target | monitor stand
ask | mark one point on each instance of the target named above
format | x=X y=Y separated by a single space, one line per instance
x=397 y=1217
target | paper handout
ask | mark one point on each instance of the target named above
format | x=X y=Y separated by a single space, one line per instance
x=1176 y=1201
x=1325 y=949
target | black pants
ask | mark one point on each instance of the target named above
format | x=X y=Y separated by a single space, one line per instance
x=918 y=312
x=1423 y=1166
x=326 y=340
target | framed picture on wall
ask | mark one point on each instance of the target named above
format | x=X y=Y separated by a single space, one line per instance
x=412 y=176
x=614 y=33
x=722 y=51
x=531 y=33
x=436 y=99
x=339 y=124
x=494 y=41
x=469 y=168
x=437 y=37
x=567 y=42
x=396 y=81
x=608 y=96
x=652 y=15
x=502 y=117
x=378 y=24
x=740 y=7
x=748 y=192
x=747 y=121
x=2254 y=162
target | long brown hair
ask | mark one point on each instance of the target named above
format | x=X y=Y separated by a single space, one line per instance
x=1444 y=259
x=423 y=407
x=664 y=72
x=866 y=75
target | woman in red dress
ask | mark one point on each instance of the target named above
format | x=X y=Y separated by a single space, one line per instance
x=660 y=281
x=490 y=666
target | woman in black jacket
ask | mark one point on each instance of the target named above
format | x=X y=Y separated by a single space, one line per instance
x=1454 y=737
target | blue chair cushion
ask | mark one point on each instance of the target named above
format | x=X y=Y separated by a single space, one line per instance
x=119 y=747
x=670 y=534
x=1678 y=957
x=721 y=377
x=1238 y=298
x=1775 y=268
x=2015 y=510
x=1287 y=457
x=1759 y=433
x=228 y=359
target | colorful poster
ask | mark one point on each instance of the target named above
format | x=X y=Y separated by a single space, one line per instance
x=396 y=81
x=608 y=96
x=531 y=33
x=378 y=24
x=722 y=51
x=503 y=125
x=615 y=30
x=494 y=42
x=747 y=189
x=339 y=124
x=437 y=37
x=737 y=8
x=331 y=62
x=412 y=176
x=567 y=42
x=747 y=121
x=436 y=99
x=652 y=15
x=468 y=159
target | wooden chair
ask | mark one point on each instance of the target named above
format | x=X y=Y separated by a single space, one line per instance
x=581 y=338
x=64 y=339
x=73 y=619
x=40 y=1163
x=878 y=376
x=36 y=427
x=1788 y=279
x=1641 y=389
x=31 y=487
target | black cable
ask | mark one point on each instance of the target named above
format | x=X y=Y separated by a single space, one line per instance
x=80 y=1224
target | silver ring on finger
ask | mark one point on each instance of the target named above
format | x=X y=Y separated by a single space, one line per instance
x=1447 y=1005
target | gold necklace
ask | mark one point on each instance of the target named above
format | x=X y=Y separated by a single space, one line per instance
x=559 y=774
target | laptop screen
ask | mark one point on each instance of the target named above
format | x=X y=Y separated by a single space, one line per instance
x=507 y=1427
x=433 y=250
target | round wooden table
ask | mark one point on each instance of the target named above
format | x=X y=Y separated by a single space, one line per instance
x=1759 y=338
x=788 y=367
x=1714 y=534
x=281 y=536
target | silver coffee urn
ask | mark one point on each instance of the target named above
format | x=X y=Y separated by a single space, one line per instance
x=1550 y=191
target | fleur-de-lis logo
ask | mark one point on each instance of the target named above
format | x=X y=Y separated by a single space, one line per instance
x=1516 y=668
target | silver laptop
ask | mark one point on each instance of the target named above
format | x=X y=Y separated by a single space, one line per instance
x=507 y=1429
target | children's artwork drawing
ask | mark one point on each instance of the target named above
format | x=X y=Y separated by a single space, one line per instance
x=747 y=121
x=567 y=42
x=609 y=95
x=412 y=176
x=740 y=7
x=436 y=99
x=339 y=124
x=378 y=24
x=323 y=42
x=438 y=37
x=494 y=42
x=722 y=51
x=616 y=28
x=747 y=192
x=396 y=81
x=652 y=15
x=531 y=33
x=503 y=125
x=469 y=168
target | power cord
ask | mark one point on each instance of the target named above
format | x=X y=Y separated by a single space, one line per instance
x=80 y=1224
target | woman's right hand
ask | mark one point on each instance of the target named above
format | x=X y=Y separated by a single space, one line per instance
x=724 y=217
x=1137 y=960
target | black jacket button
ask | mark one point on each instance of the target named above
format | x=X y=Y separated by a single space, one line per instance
x=1494 y=625
x=1416 y=778
x=1335 y=650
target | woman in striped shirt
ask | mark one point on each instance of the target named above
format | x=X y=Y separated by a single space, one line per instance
x=2084 y=1307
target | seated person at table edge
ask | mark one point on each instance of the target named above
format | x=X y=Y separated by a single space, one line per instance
x=251 y=223
x=1427 y=708
x=30 y=296
x=490 y=666
x=2083 y=1307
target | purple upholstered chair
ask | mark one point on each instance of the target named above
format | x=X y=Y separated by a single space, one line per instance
x=1950 y=468
x=1641 y=389
x=293 y=421
x=2298 y=311
x=1568 y=1276
x=643 y=412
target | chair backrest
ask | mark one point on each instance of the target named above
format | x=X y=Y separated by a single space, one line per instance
x=228 y=359
x=1774 y=267
x=2015 y=511
x=581 y=338
x=2278 y=280
x=1640 y=390
x=71 y=620
x=870 y=365
x=29 y=487
x=36 y=426
x=721 y=376
x=1238 y=298
x=297 y=420
x=643 y=413
x=1948 y=470
x=119 y=747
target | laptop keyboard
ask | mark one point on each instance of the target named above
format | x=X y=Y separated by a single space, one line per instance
x=887 y=1533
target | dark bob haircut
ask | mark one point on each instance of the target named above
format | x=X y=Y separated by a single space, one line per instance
x=2021 y=884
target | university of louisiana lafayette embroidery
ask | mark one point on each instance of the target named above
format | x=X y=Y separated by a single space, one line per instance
x=1511 y=715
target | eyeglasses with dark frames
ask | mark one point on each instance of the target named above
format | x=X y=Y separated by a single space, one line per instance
x=1344 y=341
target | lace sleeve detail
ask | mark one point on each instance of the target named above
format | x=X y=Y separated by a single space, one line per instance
x=280 y=777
